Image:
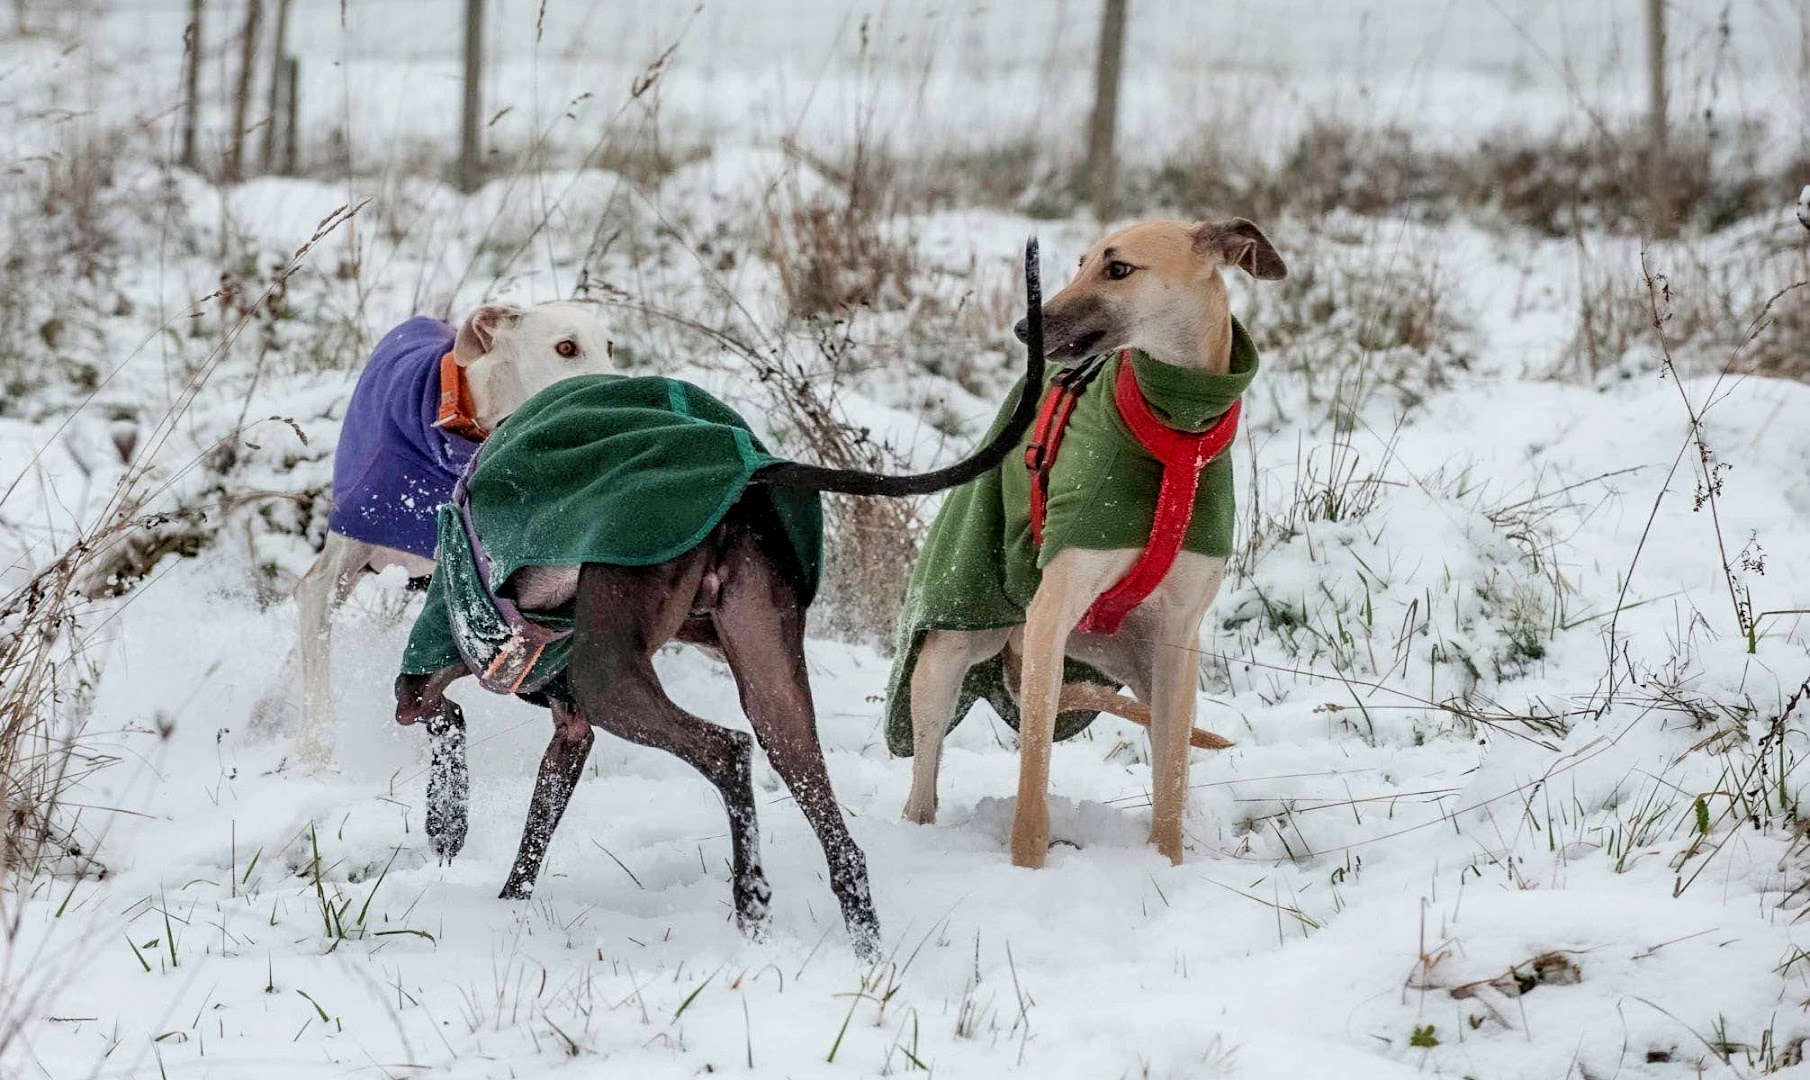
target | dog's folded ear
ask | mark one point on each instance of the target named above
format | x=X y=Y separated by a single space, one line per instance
x=1238 y=242
x=477 y=336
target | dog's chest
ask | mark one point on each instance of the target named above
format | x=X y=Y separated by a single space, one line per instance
x=1104 y=488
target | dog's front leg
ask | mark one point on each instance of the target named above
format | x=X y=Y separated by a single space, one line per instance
x=1070 y=583
x=1178 y=607
x=423 y=698
x=1045 y=637
x=560 y=768
x=322 y=589
x=448 y=782
x=1171 y=722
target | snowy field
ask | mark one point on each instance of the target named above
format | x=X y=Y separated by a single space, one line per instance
x=1513 y=652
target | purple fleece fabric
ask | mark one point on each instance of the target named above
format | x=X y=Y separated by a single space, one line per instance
x=393 y=469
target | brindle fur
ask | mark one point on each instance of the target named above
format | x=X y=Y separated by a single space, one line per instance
x=737 y=595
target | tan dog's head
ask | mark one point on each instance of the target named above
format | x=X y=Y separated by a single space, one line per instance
x=1155 y=286
x=511 y=354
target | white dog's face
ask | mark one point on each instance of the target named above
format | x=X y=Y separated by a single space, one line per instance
x=510 y=354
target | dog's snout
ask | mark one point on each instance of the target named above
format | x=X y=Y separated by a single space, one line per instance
x=1021 y=328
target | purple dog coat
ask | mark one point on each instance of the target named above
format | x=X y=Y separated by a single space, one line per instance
x=394 y=469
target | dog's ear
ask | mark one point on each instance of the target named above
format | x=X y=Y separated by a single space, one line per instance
x=477 y=336
x=1239 y=243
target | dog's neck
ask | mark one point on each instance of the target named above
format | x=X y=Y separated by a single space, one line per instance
x=1198 y=337
x=494 y=394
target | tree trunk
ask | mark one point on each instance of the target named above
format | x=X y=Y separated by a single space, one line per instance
x=1102 y=172
x=292 y=107
x=470 y=163
x=248 y=57
x=267 y=146
x=191 y=85
x=1657 y=156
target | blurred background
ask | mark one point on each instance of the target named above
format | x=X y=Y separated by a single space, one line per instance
x=379 y=85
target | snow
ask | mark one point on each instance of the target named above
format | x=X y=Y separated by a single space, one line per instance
x=1446 y=775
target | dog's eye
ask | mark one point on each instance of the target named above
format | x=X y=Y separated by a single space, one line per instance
x=567 y=348
x=1118 y=271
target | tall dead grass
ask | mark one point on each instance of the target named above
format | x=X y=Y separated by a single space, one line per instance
x=45 y=673
x=1724 y=309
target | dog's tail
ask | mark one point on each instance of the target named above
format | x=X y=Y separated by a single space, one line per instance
x=793 y=474
x=1096 y=698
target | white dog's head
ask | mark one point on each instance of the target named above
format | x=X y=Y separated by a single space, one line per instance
x=510 y=354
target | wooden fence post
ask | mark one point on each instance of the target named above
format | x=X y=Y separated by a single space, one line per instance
x=1659 y=196
x=1101 y=170
x=279 y=59
x=191 y=84
x=470 y=161
x=248 y=56
x=292 y=97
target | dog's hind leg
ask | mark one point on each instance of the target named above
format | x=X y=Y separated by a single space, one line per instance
x=560 y=767
x=622 y=615
x=320 y=592
x=760 y=624
x=943 y=661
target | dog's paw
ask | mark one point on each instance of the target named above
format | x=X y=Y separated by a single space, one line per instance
x=753 y=905
x=920 y=815
x=446 y=838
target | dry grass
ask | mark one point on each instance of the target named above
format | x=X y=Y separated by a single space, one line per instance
x=833 y=257
x=838 y=250
x=45 y=679
x=44 y=674
x=872 y=541
x=1722 y=301
x=1552 y=183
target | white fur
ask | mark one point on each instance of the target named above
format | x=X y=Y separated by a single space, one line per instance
x=509 y=355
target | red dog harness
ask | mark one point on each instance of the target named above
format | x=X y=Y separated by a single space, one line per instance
x=1183 y=455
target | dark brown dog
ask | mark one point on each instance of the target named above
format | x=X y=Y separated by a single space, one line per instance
x=736 y=594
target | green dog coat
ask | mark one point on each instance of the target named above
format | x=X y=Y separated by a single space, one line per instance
x=594 y=469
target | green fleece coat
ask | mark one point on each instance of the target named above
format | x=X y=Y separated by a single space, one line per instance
x=597 y=469
x=978 y=568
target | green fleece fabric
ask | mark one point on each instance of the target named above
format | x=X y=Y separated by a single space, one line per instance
x=978 y=568
x=598 y=469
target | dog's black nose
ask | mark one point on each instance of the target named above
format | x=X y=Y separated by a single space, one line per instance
x=1022 y=328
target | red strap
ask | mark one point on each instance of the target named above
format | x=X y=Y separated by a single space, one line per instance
x=1040 y=455
x=1184 y=455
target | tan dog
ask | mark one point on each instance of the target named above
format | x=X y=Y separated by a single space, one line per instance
x=1156 y=287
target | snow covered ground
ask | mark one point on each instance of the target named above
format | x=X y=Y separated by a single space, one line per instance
x=1514 y=793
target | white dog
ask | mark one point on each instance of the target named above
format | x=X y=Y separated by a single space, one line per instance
x=427 y=397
